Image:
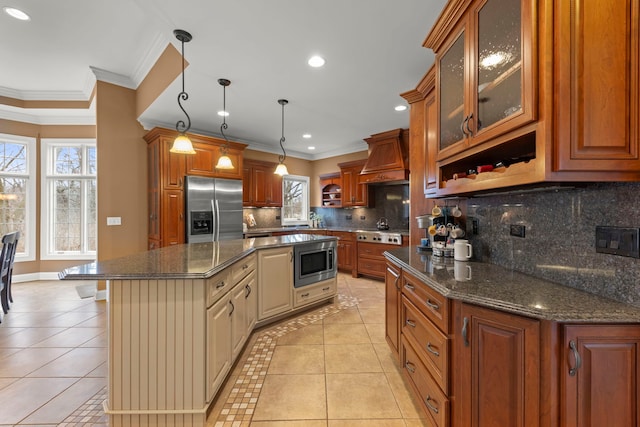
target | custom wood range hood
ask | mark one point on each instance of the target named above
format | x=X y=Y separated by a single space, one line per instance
x=388 y=160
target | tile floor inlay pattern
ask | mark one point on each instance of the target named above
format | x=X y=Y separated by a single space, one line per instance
x=241 y=403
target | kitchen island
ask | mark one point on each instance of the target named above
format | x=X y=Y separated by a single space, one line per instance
x=179 y=316
x=484 y=345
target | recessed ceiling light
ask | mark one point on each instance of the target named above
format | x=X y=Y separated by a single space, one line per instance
x=306 y=136
x=316 y=61
x=311 y=147
x=16 y=13
x=223 y=113
x=400 y=107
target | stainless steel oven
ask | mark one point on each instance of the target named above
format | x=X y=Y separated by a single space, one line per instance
x=314 y=262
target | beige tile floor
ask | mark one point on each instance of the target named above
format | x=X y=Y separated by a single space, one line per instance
x=328 y=367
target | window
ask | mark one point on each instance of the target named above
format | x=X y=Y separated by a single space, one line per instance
x=18 y=193
x=295 y=200
x=69 y=199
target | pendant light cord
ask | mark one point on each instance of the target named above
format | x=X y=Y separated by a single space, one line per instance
x=180 y=125
x=284 y=153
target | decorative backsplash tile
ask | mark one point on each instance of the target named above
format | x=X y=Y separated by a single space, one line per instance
x=559 y=242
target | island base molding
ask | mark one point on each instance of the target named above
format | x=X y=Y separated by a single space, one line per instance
x=120 y=418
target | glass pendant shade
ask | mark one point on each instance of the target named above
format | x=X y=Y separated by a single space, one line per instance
x=281 y=170
x=182 y=145
x=224 y=162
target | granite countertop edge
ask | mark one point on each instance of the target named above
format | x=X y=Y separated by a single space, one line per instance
x=562 y=303
x=186 y=261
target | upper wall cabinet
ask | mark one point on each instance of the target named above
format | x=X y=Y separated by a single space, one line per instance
x=533 y=92
x=484 y=70
x=260 y=186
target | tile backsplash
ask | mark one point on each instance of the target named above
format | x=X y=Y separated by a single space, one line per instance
x=390 y=201
x=559 y=242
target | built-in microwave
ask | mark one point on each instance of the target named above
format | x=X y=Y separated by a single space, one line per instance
x=314 y=262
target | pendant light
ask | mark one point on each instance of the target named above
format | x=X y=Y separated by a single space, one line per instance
x=281 y=169
x=224 y=162
x=182 y=143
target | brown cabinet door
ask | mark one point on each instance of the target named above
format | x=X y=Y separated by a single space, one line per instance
x=173 y=229
x=497 y=362
x=600 y=369
x=173 y=166
x=597 y=85
x=259 y=176
x=247 y=181
x=153 y=162
x=345 y=255
x=353 y=193
x=274 y=189
x=348 y=179
x=392 y=307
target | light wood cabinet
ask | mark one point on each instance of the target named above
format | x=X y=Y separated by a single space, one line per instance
x=316 y=292
x=275 y=281
x=600 y=371
x=218 y=345
x=354 y=193
x=167 y=170
x=260 y=186
x=392 y=288
x=497 y=368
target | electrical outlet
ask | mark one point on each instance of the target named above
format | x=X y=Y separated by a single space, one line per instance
x=277 y=216
x=621 y=241
x=517 y=230
x=362 y=217
x=349 y=217
x=475 y=224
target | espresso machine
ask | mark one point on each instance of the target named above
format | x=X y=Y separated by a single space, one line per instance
x=426 y=221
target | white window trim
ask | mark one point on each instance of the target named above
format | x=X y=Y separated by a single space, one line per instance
x=30 y=222
x=47 y=144
x=304 y=221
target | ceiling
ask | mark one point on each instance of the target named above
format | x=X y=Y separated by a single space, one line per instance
x=373 y=51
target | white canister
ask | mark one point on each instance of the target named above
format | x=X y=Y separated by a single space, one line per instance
x=462 y=250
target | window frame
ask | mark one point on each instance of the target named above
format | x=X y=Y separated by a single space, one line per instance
x=48 y=146
x=29 y=240
x=306 y=208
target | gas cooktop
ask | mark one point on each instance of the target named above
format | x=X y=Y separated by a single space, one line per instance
x=387 y=237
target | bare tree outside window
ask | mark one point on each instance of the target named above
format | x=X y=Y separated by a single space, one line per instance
x=295 y=200
x=14 y=175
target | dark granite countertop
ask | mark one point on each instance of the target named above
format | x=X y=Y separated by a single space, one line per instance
x=497 y=287
x=348 y=229
x=188 y=261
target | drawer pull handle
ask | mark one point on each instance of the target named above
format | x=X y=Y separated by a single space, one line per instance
x=432 y=350
x=409 y=286
x=305 y=295
x=465 y=325
x=233 y=308
x=326 y=289
x=410 y=323
x=248 y=288
x=433 y=306
x=244 y=267
x=220 y=285
x=576 y=355
x=428 y=401
x=410 y=367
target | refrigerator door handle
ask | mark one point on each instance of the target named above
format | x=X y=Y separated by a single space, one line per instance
x=217 y=227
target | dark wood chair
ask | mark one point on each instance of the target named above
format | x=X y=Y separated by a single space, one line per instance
x=7 y=256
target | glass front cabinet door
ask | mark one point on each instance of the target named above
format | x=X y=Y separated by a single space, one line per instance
x=485 y=74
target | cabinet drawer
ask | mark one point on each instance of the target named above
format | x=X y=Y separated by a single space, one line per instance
x=315 y=292
x=242 y=268
x=373 y=250
x=374 y=267
x=433 y=400
x=216 y=286
x=428 y=301
x=431 y=345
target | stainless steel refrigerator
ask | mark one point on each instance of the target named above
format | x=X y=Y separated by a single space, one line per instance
x=214 y=209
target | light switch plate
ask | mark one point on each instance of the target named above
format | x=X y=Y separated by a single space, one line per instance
x=114 y=220
x=623 y=241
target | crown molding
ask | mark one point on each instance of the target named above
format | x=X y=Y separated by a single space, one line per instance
x=52 y=117
x=159 y=44
x=44 y=95
x=113 y=78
